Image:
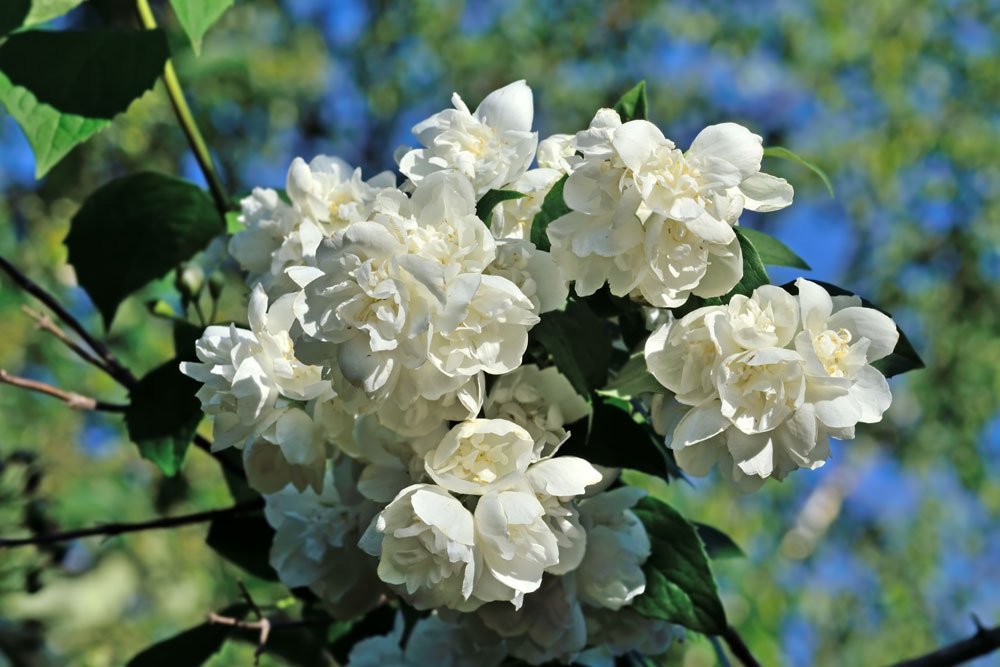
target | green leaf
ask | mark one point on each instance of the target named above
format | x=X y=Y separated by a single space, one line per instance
x=91 y=73
x=46 y=10
x=754 y=273
x=633 y=105
x=680 y=587
x=162 y=416
x=904 y=356
x=579 y=343
x=785 y=154
x=197 y=16
x=632 y=380
x=772 y=251
x=553 y=206
x=192 y=647
x=135 y=229
x=51 y=134
x=13 y=14
x=717 y=543
x=244 y=541
x=616 y=440
x=485 y=206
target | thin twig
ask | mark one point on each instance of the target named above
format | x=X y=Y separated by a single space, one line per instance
x=110 y=529
x=263 y=627
x=114 y=367
x=45 y=323
x=70 y=398
x=186 y=118
x=983 y=642
x=739 y=648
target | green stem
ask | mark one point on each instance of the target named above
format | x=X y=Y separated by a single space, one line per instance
x=186 y=119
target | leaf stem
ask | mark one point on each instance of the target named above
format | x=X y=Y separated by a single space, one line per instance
x=186 y=118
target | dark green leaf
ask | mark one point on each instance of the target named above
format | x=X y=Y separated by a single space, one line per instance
x=135 y=229
x=614 y=439
x=377 y=622
x=785 y=154
x=553 y=206
x=717 y=543
x=754 y=273
x=633 y=105
x=302 y=647
x=162 y=416
x=193 y=647
x=12 y=14
x=579 y=343
x=51 y=134
x=197 y=16
x=485 y=206
x=244 y=541
x=680 y=587
x=632 y=380
x=91 y=73
x=185 y=337
x=904 y=357
x=772 y=251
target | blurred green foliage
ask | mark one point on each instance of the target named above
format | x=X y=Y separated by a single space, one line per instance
x=880 y=555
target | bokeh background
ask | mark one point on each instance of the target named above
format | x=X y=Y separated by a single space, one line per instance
x=883 y=553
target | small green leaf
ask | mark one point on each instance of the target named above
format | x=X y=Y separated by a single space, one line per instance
x=579 y=343
x=51 y=134
x=13 y=14
x=90 y=73
x=785 y=154
x=193 y=646
x=632 y=380
x=244 y=541
x=553 y=206
x=163 y=415
x=197 y=16
x=772 y=251
x=754 y=273
x=680 y=587
x=46 y=10
x=717 y=543
x=489 y=201
x=633 y=105
x=904 y=357
x=135 y=229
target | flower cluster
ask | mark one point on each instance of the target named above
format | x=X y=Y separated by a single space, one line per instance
x=759 y=385
x=409 y=431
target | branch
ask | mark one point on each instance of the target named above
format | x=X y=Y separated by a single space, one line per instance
x=110 y=529
x=114 y=367
x=739 y=648
x=263 y=626
x=186 y=119
x=986 y=640
x=45 y=323
x=70 y=398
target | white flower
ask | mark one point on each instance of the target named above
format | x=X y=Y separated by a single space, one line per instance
x=274 y=236
x=615 y=633
x=419 y=416
x=683 y=354
x=491 y=147
x=293 y=450
x=392 y=461
x=433 y=642
x=541 y=401
x=332 y=194
x=401 y=299
x=550 y=626
x=838 y=342
x=476 y=453
x=653 y=221
x=558 y=152
x=533 y=271
x=426 y=542
x=249 y=376
x=610 y=575
x=315 y=541
x=759 y=389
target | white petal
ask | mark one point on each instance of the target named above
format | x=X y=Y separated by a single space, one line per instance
x=816 y=305
x=699 y=424
x=871 y=324
x=563 y=476
x=764 y=192
x=731 y=142
x=509 y=108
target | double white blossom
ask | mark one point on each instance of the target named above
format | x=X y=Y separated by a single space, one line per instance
x=492 y=147
x=760 y=384
x=656 y=222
